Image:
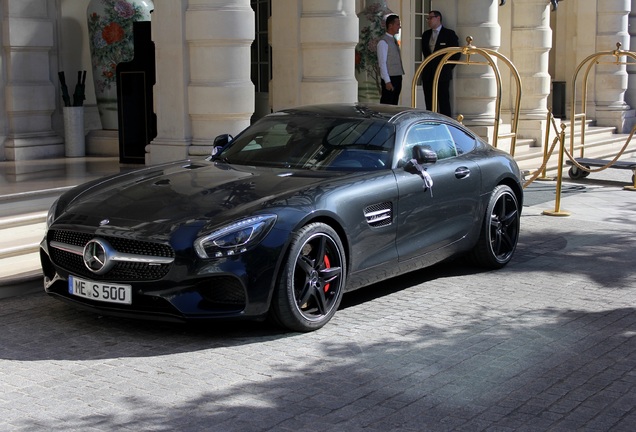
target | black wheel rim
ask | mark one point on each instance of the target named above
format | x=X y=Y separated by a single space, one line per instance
x=317 y=277
x=504 y=227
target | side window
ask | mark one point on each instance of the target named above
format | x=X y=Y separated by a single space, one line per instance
x=464 y=143
x=436 y=137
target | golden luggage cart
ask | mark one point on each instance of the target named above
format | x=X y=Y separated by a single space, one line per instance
x=468 y=51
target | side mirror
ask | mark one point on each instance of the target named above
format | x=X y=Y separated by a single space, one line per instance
x=424 y=155
x=421 y=156
x=220 y=142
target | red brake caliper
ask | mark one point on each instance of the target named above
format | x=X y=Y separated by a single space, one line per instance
x=327 y=265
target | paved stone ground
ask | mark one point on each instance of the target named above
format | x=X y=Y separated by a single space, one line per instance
x=546 y=344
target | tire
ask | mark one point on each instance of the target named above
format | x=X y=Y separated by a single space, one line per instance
x=500 y=230
x=575 y=173
x=585 y=172
x=312 y=279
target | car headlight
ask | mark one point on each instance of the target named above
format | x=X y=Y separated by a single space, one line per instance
x=235 y=238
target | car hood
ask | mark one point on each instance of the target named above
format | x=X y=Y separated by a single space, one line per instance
x=195 y=193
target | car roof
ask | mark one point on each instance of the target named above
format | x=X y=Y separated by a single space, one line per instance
x=389 y=113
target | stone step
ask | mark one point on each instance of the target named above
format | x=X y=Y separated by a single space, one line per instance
x=21 y=203
x=600 y=142
x=21 y=231
x=20 y=238
x=22 y=219
x=16 y=269
x=530 y=159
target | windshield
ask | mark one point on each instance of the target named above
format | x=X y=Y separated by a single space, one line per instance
x=319 y=143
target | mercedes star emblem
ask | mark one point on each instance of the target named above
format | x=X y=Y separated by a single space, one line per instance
x=97 y=253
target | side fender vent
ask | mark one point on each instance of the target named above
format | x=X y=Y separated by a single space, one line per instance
x=379 y=215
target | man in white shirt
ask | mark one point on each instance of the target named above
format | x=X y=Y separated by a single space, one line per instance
x=390 y=62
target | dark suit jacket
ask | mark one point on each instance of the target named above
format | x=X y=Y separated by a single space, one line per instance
x=446 y=38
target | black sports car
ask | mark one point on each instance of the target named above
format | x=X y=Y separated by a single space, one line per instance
x=302 y=206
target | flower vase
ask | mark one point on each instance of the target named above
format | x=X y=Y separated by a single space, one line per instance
x=110 y=31
x=372 y=28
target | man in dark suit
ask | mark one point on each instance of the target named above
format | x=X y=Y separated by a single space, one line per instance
x=436 y=38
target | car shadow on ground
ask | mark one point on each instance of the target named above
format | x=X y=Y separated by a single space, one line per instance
x=456 y=267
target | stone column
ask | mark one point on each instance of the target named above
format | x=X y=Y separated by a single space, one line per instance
x=475 y=86
x=581 y=26
x=313 y=43
x=203 y=74
x=611 y=80
x=531 y=43
x=29 y=65
x=174 y=130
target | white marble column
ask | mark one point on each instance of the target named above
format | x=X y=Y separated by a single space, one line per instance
x=476 y=86
x=531 y=44
x=581 y=30
x=611 y=80
x=174 y=130
x=30 y=74
x=203 y=86
x=313 y=44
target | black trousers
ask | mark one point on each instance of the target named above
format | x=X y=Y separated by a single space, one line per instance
x=391 y=97
x=443 y=96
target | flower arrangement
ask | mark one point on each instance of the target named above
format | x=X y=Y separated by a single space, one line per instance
x=366 y=51
x=111 y=39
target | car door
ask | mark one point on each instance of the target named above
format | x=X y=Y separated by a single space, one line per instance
x=432 y=218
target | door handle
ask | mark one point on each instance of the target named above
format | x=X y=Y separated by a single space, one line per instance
x=462 y=172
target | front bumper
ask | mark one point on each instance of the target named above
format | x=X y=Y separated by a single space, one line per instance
x=188 y=289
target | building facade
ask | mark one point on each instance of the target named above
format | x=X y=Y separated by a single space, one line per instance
x=222 y=63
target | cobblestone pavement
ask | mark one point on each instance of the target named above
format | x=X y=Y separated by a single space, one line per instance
x=546 y=344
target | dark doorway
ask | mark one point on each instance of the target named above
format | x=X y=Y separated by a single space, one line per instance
x=261 y=58
x=135 y=81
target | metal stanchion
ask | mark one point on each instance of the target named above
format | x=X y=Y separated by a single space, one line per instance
x=633 y=186
x=546 y=155
x=557 y=203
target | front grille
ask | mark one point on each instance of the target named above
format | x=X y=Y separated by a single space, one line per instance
x=121 y=271
x=70 y=237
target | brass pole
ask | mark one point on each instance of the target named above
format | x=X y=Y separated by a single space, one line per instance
x=557 y=205
x=633 y=186
x=545 y=147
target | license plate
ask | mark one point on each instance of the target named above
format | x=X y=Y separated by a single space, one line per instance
x=100 y=291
